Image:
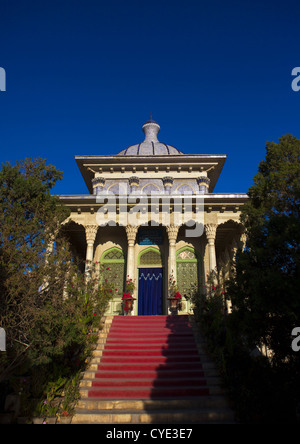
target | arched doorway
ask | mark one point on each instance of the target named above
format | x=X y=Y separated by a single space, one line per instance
x=150 y=282
x=114 y=262
x=187 y=265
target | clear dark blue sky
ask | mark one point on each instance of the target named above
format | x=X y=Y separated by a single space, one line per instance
x=82 y=76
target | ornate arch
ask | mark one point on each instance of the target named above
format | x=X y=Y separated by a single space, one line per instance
x=150 y=257
x=187 y=265
x=117 y=188
x=187 y=187
x=152 y=186
x=113 y=260
x=229 y=237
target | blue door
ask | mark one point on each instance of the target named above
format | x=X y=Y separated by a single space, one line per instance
x=150 y=291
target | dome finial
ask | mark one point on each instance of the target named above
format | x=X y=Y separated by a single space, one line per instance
x=151 y=129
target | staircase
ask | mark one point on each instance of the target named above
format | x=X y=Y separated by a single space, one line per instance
x=150 y=369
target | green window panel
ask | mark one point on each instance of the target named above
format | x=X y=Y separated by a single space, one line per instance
x=113 y=254
x=187 y=272
x=114 y=263
x=151 y=257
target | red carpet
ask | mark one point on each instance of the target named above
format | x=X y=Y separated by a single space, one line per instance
x=149 y=357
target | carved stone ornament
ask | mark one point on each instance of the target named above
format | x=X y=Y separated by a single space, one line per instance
x=134 y=181
x=168 y=181
x=172 y=231
x=98 y=181
x=131 y=233
x=90 y=233
x=203 y=180
x=210 y=230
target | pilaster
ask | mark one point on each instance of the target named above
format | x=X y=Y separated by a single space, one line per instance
x=210 y=230
x=90 y=234
x=172 y=231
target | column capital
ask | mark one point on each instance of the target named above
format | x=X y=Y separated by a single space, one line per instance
x=210 y=230
x=172 y=231
x=131 y=233
x=203 y=182
x=90 y=233
x=243 y=240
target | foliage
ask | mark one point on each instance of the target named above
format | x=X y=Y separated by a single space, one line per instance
x=29 y=217
x=177 y=295
x=173 y=287
x=129 y=285
x=48 y=308
x=264 y=293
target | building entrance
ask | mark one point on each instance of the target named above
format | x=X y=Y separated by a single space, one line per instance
x=150 y=291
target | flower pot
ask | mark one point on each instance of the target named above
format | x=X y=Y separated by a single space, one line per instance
x=173 y=303
x=128 y=305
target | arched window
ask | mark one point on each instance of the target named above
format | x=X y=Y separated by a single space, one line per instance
x=151 y=257
x=184 y=189
x=117 y=188
x=187 y=270
x=114 y=260
x=150 y=188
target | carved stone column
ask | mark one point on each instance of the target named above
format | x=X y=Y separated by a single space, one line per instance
x=203 y=182
x=210 y=230
x=131 y=235
x=98 y=184
x=243 y=240
x=90 y=234
x=172 y=231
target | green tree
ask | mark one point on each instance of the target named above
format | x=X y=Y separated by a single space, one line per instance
x=265 y=291
x=48 y=308
x=29 y=219
x=46 y=304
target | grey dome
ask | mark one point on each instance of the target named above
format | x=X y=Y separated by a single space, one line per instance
x=150 y=146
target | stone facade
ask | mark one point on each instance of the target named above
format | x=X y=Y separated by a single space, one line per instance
x=151 y=206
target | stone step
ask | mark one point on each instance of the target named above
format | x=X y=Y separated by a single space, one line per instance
x=168 y=348
x=151 y=369
x=95 y=366
x=150 y=382
x=151 y=352
x=158 y=417
x=155 y=374
x=151 y=365
x=154 y=405
x=187 y=392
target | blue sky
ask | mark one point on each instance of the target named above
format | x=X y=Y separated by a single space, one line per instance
x=82 y=76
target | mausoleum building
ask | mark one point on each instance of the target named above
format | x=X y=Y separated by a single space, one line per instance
x=151 y=215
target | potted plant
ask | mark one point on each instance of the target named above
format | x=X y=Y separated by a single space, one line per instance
x=127 y=302
x=176 y=301
x=127 y=297
x=175 y=297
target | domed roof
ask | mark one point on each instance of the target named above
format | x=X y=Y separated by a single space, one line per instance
x=150 y=146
